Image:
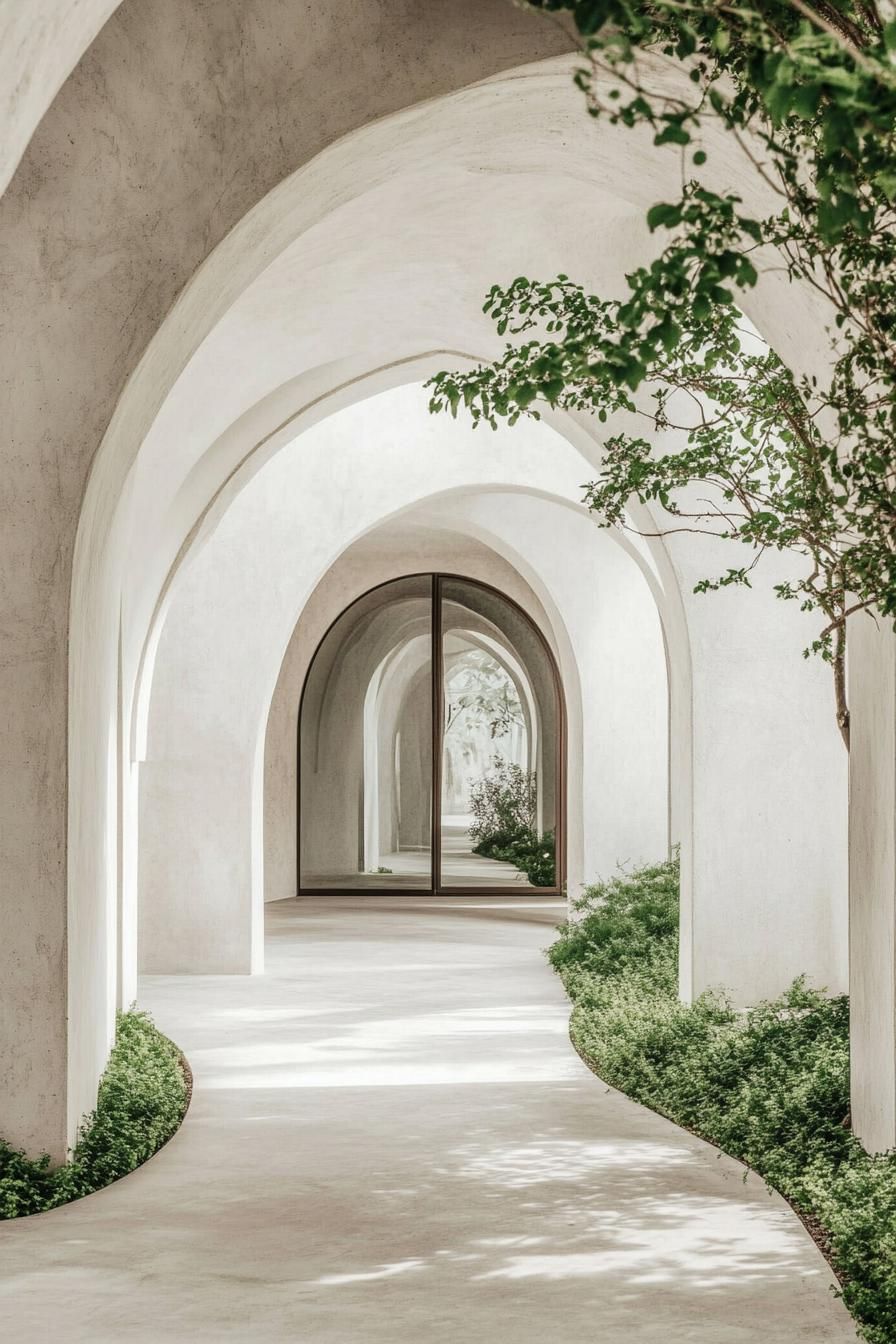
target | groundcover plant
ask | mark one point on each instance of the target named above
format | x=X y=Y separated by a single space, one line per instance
x=141 y=1102
x=769 y=1086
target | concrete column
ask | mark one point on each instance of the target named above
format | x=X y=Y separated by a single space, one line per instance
x=769 y=844
x=33 y=1040
x=195 y=906
x=759 y=781
x=872 y=881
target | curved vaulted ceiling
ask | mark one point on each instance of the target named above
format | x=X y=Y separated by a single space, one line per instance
x=233 y=219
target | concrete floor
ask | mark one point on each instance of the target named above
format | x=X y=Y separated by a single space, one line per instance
x=392 y=1140
x=460 y=866
x=411 y=868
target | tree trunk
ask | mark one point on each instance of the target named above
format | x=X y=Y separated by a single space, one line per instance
x=840 y=681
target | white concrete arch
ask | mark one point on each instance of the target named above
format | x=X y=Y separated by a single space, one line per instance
x=715 y=973
x=40 y=44
x=306 y=419
x=325 y=457
x=175 y=122
x=717 y=954
x=444 y=533
x=421 y=167
x=410 y=542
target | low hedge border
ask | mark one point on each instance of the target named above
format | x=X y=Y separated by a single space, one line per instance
x=142 y=1100
x=770 y=1086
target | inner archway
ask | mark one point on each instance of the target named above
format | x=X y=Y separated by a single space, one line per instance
x=431 y=745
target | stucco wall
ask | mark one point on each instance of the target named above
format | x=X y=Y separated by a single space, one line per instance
x=616 y=677
x=872 y=881
x=41 y=43
x=175 y=122
x=399 y=549
x=768 y=833
x=234 y=608
x=310 y=280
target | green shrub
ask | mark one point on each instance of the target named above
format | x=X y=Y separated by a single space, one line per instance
x=533 y=854
x=141 y=1102
x=503 y=804
x=620 y=920
x=770 y=1085
x=857 y=1206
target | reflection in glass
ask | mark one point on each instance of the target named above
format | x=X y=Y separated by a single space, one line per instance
x=374 y=706
x=499 y=739
x=365 y=745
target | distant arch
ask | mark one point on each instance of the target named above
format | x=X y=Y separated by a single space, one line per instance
x=353 y=800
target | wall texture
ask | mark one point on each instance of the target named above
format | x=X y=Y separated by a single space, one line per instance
x=212 y=685
x=216 y=134
x=872 y=881
x=177 y=119
x=311 y=280
x=396 y=549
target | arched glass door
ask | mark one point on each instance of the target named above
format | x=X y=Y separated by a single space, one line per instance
x=430 y=746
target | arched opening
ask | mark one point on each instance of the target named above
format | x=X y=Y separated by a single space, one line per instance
x=431 y=745
x=147 y=506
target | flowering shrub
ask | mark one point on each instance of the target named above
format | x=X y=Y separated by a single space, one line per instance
x=502 y=803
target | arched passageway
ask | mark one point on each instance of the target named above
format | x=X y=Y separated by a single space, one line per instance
x=230 y=263
x=146 y=516
x=216 y=767
x=432 y=745
x=347 y=252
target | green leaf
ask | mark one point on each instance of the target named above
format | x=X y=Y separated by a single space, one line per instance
x=591 y=15
x=668 y=333
x=663 y=216
x=673 y=134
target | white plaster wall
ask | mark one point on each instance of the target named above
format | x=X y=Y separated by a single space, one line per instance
x=618 y=801
x=399 y=170
x=769 y=844
x=769 y=768
x=235 y=605
x=872 y=881
x=218 y=370
x=178 y=120
x=40 y=43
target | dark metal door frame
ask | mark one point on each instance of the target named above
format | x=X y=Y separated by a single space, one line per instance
x=437 y=682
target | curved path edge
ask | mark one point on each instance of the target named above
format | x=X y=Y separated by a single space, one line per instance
x=391 y=1138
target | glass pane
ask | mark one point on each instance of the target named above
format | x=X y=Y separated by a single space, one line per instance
x=365 y=745
x=499 y=744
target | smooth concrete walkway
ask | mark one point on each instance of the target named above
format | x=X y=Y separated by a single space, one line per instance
x=460 y=866
x=391 y=1140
